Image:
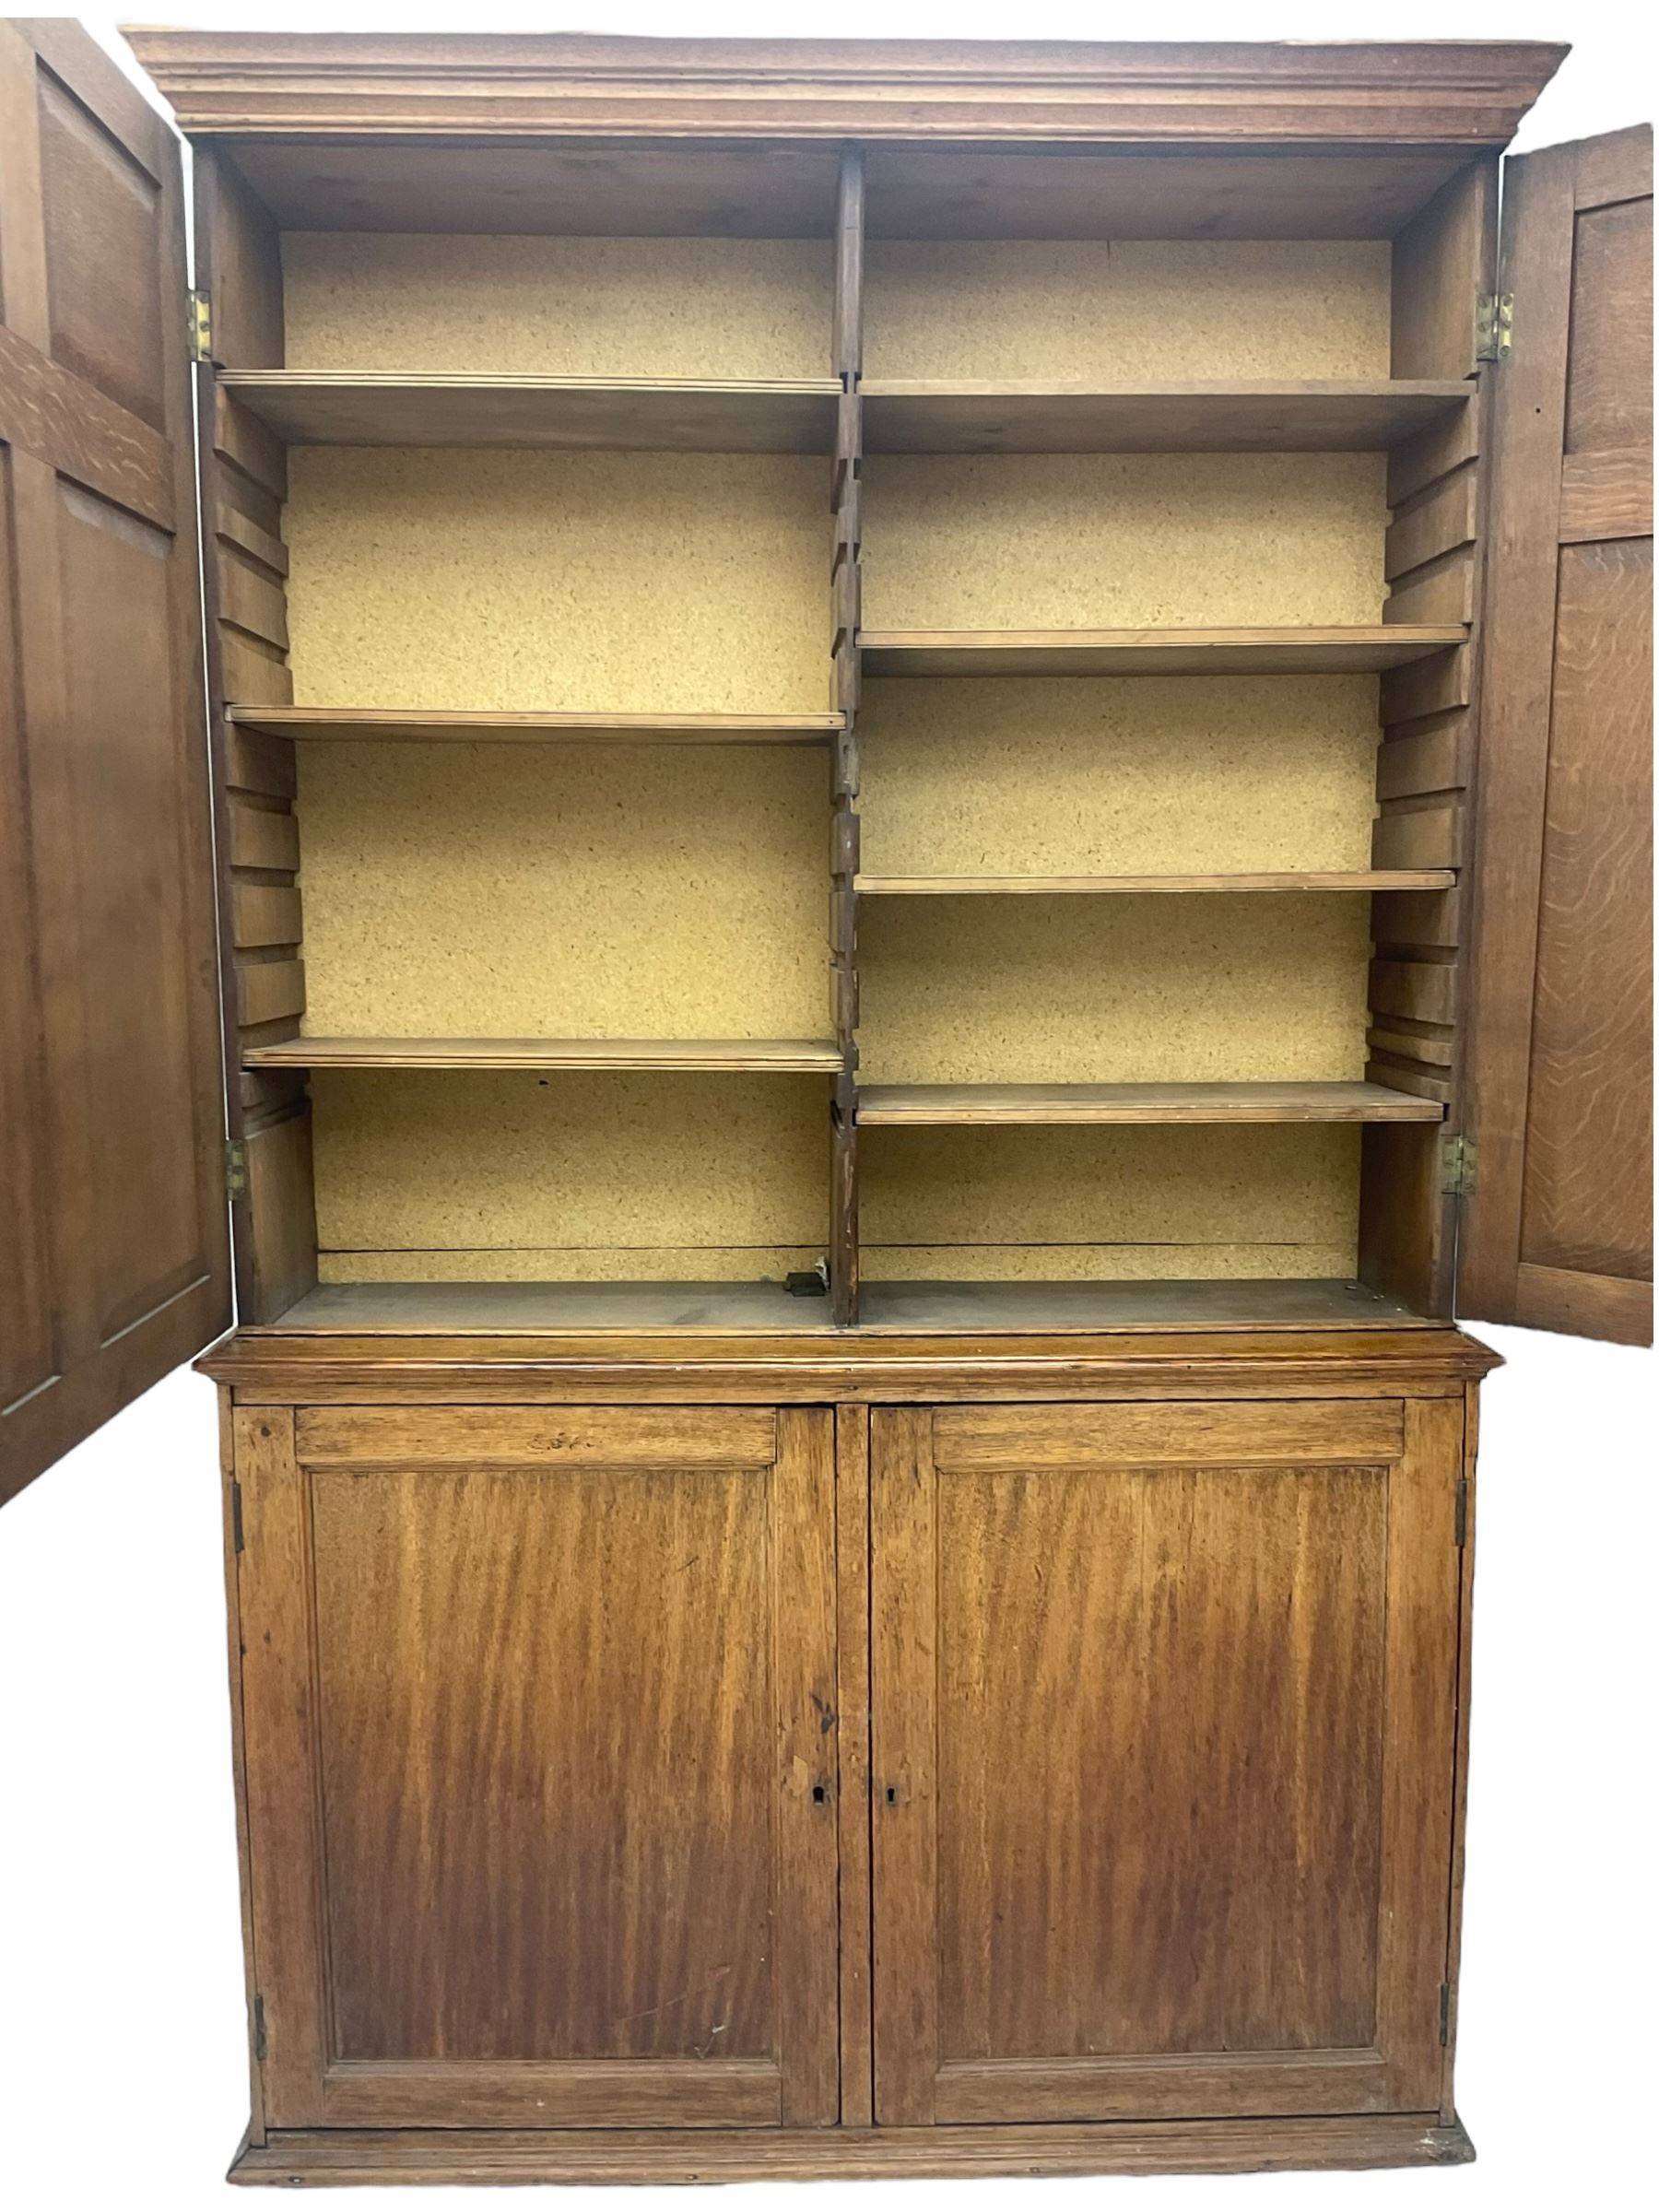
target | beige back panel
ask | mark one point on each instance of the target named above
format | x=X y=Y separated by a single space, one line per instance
x=1104 y=541
x=1153 y=311
x=596 y=307
x=1252 y=987
x=1063 y=1205
x=578 y=1176
x=523 y=891
x=620 y=583
x=1109 y=776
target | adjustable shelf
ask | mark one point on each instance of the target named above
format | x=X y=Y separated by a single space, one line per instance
x=1357 y=650
x=411 y=726
x=964 y=417
x=1066 y=887
x=667 y=1055
x=955 y=1104
x=621 y=415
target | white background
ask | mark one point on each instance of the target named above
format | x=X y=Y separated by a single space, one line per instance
x=123 y=2068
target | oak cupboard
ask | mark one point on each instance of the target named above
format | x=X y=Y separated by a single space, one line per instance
x=898 y=826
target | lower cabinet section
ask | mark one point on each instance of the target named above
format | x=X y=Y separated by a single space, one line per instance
x=543 y=1756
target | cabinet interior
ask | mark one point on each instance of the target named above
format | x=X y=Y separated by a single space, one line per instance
x=750 y=805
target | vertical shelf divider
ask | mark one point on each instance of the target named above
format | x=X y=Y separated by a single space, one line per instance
x=845 y=498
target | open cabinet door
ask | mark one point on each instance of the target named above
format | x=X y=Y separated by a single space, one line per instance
x=1558 y=1230
x=112 y=1221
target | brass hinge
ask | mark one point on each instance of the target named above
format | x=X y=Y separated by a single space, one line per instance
x=201 y=327
x=236 y=1168
x=236 y=1516
x=1461 y=1512
x=1458 y=1167
x=1445 y=2005
x=1494 y=325
x=259 y=2027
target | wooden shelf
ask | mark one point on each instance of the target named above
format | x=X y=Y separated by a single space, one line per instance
x=903 y=417
x=406 y=725
x=670 y=1054
x=1141 y=886
x=1352 y=652
x=1014 y=1309
x=951 y=1104
x=627 y=415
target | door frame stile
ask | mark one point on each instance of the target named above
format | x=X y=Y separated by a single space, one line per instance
x=802 y=1513
x=856 y=1807
x=274 y=1596
x=904 y=1825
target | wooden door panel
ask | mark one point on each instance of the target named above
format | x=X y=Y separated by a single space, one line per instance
x=111 y=1100
x=1162 y=1758
x=606 y=1768
x=134 y=792
x=1203 y=1695
x=1583 y=1206
x=1559 y=1231
x=106 y=306
x=557 y=1827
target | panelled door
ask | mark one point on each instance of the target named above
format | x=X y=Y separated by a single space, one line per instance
x=1559 y=1232
x=538 y=1719
x=1163 y=1711
x=113 y=1225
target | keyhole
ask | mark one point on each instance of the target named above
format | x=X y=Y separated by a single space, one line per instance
x=819 y=1793
x=892 y=1796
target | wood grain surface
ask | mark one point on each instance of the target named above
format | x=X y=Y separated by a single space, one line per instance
x=1462 y=95
x=918 y=416
x=574 y=1844
x=1559 y=1232
x=1234 y=1914
x=112 y=1162
x=1050 y=887
x=742 y=1055
x=633 y=415
x=1354 y=650
x=398 y=725
x=1202 y=1103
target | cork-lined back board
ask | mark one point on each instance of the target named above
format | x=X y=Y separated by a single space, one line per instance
x=600 y=307
x=620 y=583
x=523 y=891
x=1111 y=541
x=576 y=1176
x=1076 y=1204
x=1122 y=311
x=1250 y=987
x=1158 y=775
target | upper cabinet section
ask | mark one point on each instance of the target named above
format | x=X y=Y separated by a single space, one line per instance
x=1109 y=364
